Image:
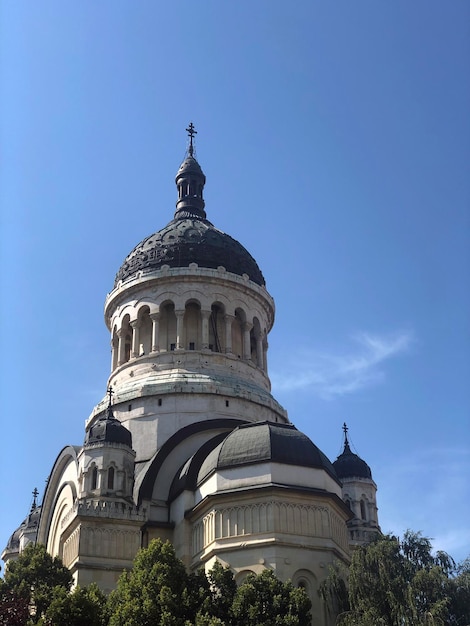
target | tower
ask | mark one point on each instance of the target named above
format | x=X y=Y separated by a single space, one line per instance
x=359 y=493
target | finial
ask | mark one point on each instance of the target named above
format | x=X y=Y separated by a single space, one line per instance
x=345 y=431
x=109 y=411
x=110 y=393
x=35 y=495
x=191 y=132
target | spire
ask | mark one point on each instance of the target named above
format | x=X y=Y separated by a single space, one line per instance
x=190 y=181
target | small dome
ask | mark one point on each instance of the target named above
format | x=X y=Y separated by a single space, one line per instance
x=266 y=441
x=190 y=166
x=30 y=523
x=108 y=429
x=350 y=465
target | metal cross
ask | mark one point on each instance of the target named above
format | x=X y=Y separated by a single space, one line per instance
x=191 y=132
x=110 y=393
x=345 y=431
x=35 y=495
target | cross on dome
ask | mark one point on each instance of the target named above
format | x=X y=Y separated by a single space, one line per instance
x=110 y=393
x=191 y=133
x=35 y=495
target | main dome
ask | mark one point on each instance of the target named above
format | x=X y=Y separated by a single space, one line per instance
x=188 y=240
x=190 y=237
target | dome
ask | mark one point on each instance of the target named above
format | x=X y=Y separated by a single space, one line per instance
x=190 y=165
x=108 y=429
x=190 y=240
x=190 y=237
x=350 y=465
x=30 y=523
x=262 y=442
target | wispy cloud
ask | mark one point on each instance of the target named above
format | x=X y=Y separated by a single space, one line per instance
x=330 y=375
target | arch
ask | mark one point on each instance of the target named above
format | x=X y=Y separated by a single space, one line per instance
x=167 y=326
x=145 y=330
x=143 y=490
x=67 y=459
x=114 y=348
x=240 y=577
x=306 y=580
x=217 y=328
x=94 y=477
x=125 y=340
x=192 y=325
x=363 y=505
x=111 y=473
x=237 y=332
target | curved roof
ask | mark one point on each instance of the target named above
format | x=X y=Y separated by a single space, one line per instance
x=265 y=441
x=30 y=523
x=190 y=240
x=350 y=465
x=108 y=429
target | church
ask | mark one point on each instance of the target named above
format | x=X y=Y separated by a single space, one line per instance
x=188 y=444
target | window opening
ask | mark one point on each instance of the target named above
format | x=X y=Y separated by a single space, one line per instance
x=94 y=478
x=111 y=478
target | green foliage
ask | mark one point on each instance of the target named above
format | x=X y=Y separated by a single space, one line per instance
x=334 y=589
x=82 y=607
x=264 y=599
x=154 y=592
x=401 y=583
x=159 y=592
x=33 y=577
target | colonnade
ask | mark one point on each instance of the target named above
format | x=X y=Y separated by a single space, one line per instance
x=191 y=328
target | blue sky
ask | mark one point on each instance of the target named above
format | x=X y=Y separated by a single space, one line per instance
x=335 y=138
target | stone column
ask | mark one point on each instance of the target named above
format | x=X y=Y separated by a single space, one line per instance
x=155 y=317
x=228 y=319
x=179 y=329
x=259 y=351
x=265 y=355
x=246 y=327
x=205 y=315
x=113 y=352
x=135 y=324
x=121 y=347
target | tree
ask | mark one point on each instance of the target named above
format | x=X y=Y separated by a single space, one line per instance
x=155 y=591
x=83 y=607
x=159 y=592
x=33 y=577
x=264 y=599
x=400 y=583
x=14 y=610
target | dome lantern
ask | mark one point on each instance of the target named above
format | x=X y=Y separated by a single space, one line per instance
x=190 y=181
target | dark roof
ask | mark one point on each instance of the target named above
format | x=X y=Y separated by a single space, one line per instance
x=266 y=441
x=31 y=522
x=107 y=429
x=350 y=465
x=190 y=240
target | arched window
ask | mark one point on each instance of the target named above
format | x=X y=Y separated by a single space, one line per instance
x=363 y=510
x=94 y=478
x=111 y=478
